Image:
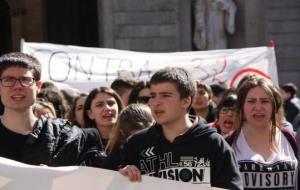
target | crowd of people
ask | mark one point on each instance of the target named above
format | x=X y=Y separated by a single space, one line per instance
x=170 y=127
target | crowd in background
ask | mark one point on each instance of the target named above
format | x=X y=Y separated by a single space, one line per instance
x=216 y=103
x=257 y=119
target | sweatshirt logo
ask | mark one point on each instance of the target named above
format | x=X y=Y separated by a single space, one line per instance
x=192 y=169
x=278 y=174
x=147 y=152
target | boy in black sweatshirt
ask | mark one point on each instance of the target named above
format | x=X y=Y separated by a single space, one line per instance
x=177 y=147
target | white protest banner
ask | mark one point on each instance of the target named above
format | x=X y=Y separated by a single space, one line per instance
x=85 y=68
x=15 y=175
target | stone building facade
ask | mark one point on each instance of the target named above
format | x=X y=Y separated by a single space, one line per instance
x=152 y=26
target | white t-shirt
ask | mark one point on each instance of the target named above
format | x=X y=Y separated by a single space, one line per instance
x=279 y=171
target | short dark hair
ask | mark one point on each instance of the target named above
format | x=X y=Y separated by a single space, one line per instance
x=18 y=59
x=290 y=88
x=123 y=83
x=229 y=99
x=178 y=76
x=206 y=87
x=218 y=89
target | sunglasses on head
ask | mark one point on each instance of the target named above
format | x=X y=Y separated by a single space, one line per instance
x=143 y=99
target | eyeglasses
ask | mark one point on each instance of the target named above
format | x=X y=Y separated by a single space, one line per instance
x=11 y=81
x=226 y=110
x=143 y=99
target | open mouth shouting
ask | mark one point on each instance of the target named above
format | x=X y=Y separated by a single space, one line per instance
x=228 y=124
x=109 y=116
x=258 y=116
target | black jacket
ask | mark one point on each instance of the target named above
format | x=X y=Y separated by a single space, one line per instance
x=291 y=108
x=54 y=142
x=192 y=155
x=113 y=161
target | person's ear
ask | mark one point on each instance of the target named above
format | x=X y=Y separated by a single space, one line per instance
x=187 y=102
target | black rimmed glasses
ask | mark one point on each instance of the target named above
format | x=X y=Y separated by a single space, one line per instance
x=11 y=81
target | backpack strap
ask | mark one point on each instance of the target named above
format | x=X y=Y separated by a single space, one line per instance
x=230 y=138
x=291 y=139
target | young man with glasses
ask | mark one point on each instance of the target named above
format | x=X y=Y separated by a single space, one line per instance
x=176 y=147
x=24 y=137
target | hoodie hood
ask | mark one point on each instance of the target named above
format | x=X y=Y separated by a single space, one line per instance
x=200 y=128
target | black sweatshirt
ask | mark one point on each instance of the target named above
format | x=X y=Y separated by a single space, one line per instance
x=200 y=155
